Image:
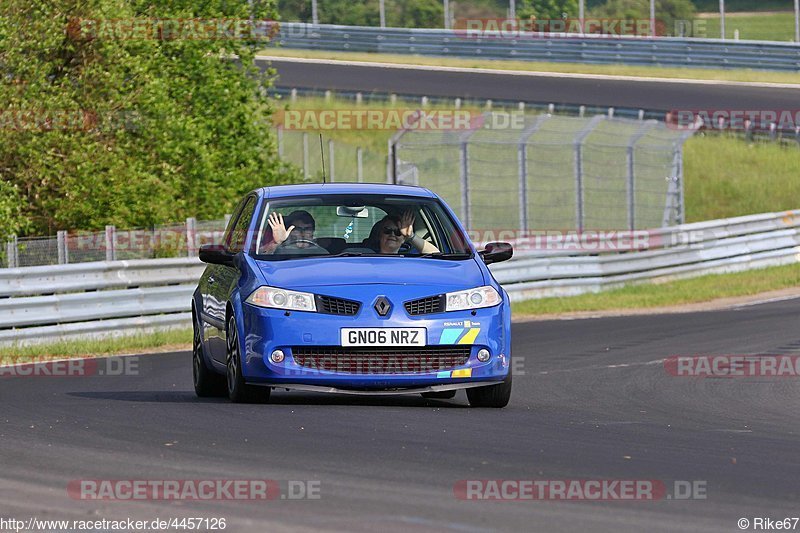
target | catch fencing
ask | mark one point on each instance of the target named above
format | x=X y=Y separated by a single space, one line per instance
x=45 y=303
x=550 y=172
x=112 y=244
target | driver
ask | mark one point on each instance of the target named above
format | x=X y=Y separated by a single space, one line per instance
x=300 y=230
x=390 y=232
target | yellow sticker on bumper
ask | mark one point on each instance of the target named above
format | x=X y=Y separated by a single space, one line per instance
x=462 y=373
x=470 y=336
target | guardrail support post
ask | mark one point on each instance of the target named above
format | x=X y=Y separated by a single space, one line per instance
x=12 y=252
x=111 y=237
x=191 y=237
x=63 y=248
x=681 y=200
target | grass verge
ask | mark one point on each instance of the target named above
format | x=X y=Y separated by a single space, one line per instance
x=754 y=26
x=177 y=339
x=727 y=177
x=746 y=75
x=680 y=292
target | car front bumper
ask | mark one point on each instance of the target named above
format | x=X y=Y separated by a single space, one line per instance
x=267 y=330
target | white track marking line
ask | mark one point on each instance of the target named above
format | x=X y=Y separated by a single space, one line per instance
x=599 y=367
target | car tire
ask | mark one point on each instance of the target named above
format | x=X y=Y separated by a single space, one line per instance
x=238 y=390
x=496 y=396
x=207 y=383
x=442 y=395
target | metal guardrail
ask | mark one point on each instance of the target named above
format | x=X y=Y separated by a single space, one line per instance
x=41 y=304
x=566 y=48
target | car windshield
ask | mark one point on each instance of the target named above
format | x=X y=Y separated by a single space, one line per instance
x=358 y=225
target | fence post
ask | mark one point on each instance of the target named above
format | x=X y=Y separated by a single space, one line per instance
x=332 y=164
x=360 y=164
x=466 y=207
x=12 y=251
x=391 y=160
x=191 y=237
x=305 y=155
x=579 y=207
x=280 y=141
x=522 y=158
x=63 y=248
x=631 y=182
x=111 y=237
x=464 y=175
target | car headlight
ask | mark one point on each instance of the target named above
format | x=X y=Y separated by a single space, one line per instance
x=282 y=299
x=472 y=299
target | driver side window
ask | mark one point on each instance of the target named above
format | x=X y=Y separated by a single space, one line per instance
x=239 y=234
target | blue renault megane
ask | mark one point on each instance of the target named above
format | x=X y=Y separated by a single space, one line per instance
x=355 y=288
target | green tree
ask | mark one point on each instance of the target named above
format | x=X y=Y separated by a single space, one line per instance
x=166 y=128
x=399 y=13
x=548 y=9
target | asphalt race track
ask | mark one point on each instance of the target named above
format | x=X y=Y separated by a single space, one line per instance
x=595 y=402
x=649 y=95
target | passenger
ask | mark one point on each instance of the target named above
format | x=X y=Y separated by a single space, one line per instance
x=299 y=233
x=389 y=234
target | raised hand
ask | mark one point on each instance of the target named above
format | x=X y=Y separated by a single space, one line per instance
x=407 y=224
x=279 y=231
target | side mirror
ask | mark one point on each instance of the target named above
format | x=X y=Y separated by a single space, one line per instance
x=214 y=254
x=496 y=252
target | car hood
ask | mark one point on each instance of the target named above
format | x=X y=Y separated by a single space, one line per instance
x=319 y=272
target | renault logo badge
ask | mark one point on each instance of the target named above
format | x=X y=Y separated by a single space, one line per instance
x=382 y=306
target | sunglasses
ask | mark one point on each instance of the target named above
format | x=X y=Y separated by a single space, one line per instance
x=392 y=231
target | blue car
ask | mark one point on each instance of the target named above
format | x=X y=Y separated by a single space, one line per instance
x=354 y=288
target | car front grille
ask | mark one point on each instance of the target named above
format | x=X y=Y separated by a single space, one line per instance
x=348 y=360
x=426 y=306
x=337 y=306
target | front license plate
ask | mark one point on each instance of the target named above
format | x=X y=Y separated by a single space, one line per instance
x=383 y=337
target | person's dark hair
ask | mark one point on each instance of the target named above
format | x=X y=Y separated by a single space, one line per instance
x=374 y=239
x=299 y=216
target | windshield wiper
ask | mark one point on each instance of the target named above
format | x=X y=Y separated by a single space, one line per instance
x=347 y=254
x=443 y=255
